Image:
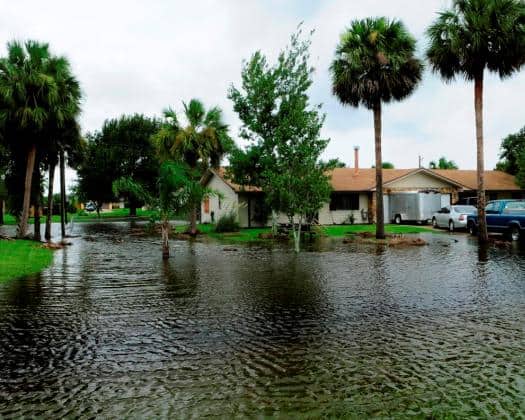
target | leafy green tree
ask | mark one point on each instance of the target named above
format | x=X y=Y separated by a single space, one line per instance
x=443 y=163
x=30 y=98
x=520 y=174
x=469 y=38
x=201 y=143
x=121 y=150
x=385 y=165
x=375 y=64
x=96 y=172
x=512 y=147
x=128 y=140
x=283 y=131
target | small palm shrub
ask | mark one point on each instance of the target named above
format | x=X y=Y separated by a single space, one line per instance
x=227 y=223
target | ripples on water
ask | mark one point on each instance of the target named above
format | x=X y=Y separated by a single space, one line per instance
x=111 y=330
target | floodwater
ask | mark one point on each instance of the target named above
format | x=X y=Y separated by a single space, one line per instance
x=110 y=330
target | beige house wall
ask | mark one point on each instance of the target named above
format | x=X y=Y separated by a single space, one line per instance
x=219 y=205
x=337 y=217
x=417 y=181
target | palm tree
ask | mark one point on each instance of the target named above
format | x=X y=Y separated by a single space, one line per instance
x=200 y=144
x=472 y=36
x=30 y=98
x=443 y=163
x=375 y=64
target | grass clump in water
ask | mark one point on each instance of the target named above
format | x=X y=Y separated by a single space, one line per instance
x=20 y=258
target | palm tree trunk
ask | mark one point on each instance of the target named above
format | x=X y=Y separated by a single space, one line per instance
x=165 y=227
x=380 y=217
x=37 y=204
x=478 y=106
x=22 y=226
x=62 y=195
x=193 y=221
x=49 y=215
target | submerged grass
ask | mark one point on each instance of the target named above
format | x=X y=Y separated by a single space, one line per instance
x=252 y=234
x=20 y=258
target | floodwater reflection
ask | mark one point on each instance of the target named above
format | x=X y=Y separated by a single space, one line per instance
x=111 y=330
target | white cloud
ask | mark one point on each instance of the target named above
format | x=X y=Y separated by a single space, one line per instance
x=133 y=56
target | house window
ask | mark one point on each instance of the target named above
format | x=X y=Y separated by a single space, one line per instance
x=220 y=203
x=344 y=201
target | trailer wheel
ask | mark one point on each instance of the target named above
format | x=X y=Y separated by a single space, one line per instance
x=397 y=219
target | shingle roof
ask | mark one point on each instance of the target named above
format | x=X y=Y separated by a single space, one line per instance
x=494 y=180
x=346 y=179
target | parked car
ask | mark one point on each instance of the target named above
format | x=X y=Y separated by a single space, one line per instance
x=90 y=206
x=452 y=217
x=503 y=216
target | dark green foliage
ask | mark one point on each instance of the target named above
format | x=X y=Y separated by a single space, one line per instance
x=374 y=62
x=443 y=163
x=512 y=147
x=478 y=34
x=227 y=223
x=122 y=150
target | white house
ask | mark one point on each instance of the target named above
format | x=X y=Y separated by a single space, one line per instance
x=354 y=193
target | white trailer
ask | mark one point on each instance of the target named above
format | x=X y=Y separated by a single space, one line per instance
x=414 y=206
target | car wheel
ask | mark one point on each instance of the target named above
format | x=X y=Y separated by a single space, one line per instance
x=514 y=233
x=434 y=223
x=472 y=229
x=451 y=226
x=397 y=219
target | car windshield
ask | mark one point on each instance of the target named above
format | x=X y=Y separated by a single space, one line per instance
x=464 y=209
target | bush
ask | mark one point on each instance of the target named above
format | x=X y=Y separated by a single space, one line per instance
x=227 y=223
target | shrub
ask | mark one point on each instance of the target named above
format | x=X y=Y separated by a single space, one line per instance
x=227 y=223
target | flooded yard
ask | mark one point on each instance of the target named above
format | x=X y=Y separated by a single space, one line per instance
x=220 y=330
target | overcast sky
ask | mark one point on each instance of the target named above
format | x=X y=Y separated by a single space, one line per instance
x=137 y=56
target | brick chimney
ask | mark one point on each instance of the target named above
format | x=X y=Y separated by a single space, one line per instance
x=356 y=160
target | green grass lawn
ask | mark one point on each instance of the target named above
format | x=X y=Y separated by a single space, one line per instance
x=87 y=217
x=20 y=258
x=252 y=234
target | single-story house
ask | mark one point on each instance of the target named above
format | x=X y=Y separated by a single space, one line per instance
x=353 y=194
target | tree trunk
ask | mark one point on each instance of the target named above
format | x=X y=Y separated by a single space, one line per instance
x=193 y=221
x=274 y=223
x=62 y=196
x=22 y=226
x=297 y=235
x=132 y=209
x=37 y=204
x=1 y=212
x=165 y=228
x=380 y=217
x=478 y=106
x=49 y=215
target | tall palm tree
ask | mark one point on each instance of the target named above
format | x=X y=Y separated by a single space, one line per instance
x=30 y=98
x=200 y=144
x=375 y=64
x=472 y=36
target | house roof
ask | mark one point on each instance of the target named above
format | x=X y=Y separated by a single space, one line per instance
x=346 y=179
x=221 y=173
x=494 y=180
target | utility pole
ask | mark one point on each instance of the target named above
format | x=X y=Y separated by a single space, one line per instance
x=420 y=161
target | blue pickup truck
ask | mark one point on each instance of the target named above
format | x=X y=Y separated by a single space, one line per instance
x=503 y=216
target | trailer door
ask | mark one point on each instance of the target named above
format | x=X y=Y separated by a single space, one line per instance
x=445 y=200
